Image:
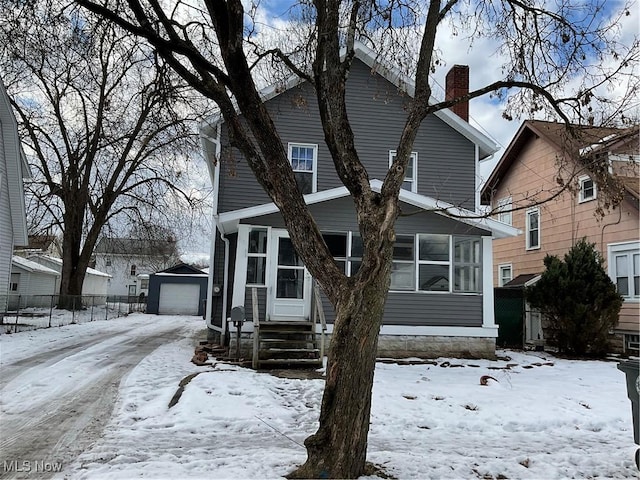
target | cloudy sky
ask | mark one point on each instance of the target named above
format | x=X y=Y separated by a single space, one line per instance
x=484 y=64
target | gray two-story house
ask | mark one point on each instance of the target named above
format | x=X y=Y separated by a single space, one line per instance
x=441 y=296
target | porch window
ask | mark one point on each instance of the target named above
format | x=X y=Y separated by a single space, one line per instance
x=257 y=257
x=355 y=255
x=303 y=158
x=403 y=266
x=433 y=263
x=337 y=243
x=533 y=228
x=467 y=259
x=411 y=174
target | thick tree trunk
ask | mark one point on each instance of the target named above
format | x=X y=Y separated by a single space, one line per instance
x=338 y=449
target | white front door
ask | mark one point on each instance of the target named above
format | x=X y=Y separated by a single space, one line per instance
x=290 y=291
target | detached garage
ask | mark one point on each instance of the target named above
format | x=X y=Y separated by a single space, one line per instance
x=179 y=290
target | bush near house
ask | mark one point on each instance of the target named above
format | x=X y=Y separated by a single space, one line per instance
x=579 y=301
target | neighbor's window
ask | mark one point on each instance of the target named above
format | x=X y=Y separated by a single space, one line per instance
x=107 y=262
x=626 y=272
x=411 y=174
x=587 y=189
x=504 y=207
x=257 y=257
x=402 y=269
x=133 y=270
x=144 y=283
x=467 y=264
x=303 y=158
x=533 y=228
x=433 y=262
x=505 y=274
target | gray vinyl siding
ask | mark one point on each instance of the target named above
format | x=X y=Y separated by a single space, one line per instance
x=425 y=309
x=446 y=159
x=339 y=216
x=218 y=276
x=262 y=303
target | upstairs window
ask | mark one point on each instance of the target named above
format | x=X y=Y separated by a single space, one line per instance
x=133 y=270
x=533 y=228
x=587 y=189
x=411 y=174
x=107 y=262
x=304 y=158
x=504 y=207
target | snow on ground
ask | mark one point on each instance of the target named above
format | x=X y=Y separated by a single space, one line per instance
x=542 y=418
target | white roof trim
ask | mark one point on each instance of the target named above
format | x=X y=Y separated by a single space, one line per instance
x=228 y=222
x=365 y=54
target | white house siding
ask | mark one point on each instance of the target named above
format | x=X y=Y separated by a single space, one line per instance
x=13 y=227
x=35 y=288
x=120 y=271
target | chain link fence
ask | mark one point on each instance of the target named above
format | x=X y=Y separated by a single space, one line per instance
x=30 y=312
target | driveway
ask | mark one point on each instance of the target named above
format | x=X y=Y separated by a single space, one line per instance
x=57 y=396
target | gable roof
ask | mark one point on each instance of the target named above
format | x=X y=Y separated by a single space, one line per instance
x=404 y=83
x=183 y=269
x=575 y=142
x=58 y=264
x=228 y=222
x=135 y=246
x=31 y=266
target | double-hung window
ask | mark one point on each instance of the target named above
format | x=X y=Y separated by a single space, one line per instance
x=533 y=228
x=587 y=189
x=624 y=269
x=304 y=160
x=337 y=244
x=411 y=173
x=505 y=274
x=504 y=207
x=257 y=257
x=433 y=262
x=402 y=269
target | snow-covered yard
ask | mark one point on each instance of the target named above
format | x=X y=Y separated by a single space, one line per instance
x=541 y=418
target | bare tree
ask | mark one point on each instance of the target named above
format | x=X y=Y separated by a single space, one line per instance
x=106 y=124
x=211 y=45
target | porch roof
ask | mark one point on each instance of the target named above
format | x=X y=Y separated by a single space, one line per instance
x=228 y=222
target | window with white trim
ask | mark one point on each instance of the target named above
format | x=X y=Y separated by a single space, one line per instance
x=533 y=228
x=505 y=207
x=433 y=262
x=624 y=269
x=403 y=267
x=467 y=264
x=356 y=249
x=505 y=274
x=411 y=174
x=133 y=270
x=304 y=160
x=337 y=244
x=257 y=257
x=587 y=189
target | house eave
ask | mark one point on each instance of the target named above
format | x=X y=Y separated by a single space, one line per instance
x=228 y=222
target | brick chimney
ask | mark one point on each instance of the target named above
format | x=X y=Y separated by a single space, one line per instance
x=457 y=85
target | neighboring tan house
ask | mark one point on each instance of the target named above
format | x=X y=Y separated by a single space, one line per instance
x=129 y=260
x=441 y=297
x=32 y=285
x=13 y=168
x=543 y=157
x=94 y=286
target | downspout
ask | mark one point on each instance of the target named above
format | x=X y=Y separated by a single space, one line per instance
x=225 y=285
x=216 y=189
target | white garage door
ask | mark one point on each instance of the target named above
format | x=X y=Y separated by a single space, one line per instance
x=179 y=299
